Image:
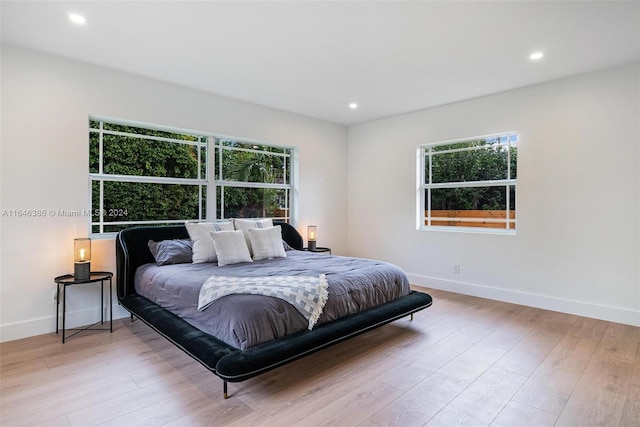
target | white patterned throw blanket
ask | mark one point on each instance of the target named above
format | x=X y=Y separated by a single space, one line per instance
x=308 y=294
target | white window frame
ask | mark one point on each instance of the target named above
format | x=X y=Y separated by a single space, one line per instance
x=207 y=183
x=289 y=161
x=424 y=156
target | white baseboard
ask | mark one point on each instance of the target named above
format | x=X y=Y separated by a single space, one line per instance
x=580 y=308
x=45 y=325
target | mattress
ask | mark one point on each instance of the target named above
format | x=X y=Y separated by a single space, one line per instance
x=244 y=321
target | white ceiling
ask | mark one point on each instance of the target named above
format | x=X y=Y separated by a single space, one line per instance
x=314 y=58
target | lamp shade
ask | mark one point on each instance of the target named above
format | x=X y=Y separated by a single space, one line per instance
x=82 y=250
x=311 y=237
x=311 y=232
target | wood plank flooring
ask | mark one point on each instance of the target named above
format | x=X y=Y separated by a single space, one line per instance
x=464 y=361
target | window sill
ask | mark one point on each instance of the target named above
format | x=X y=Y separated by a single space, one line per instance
x=103 y=236
x=472 y=230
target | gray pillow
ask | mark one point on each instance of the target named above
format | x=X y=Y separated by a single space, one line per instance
x=175 y=251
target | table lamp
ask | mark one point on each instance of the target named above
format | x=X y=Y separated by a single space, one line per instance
x=82 y=258
x=311 y=237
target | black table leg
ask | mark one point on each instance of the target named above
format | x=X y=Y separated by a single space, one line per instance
x=64 y=303
x=102 y=302
x=57 y=305
x=110 y=306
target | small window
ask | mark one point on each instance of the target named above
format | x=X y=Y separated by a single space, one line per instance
x=469 y=184
x=145 y=176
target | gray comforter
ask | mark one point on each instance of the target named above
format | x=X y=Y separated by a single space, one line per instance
x=243 y=321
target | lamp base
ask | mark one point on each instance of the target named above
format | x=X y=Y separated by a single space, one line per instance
x=312 y=245
x=82 y=270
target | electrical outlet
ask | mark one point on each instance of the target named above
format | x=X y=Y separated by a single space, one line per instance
x=456 y=268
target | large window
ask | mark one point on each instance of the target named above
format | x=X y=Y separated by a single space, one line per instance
x=469 y=184
x=153 y=175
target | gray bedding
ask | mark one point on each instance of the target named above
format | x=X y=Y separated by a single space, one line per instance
x=243 y=321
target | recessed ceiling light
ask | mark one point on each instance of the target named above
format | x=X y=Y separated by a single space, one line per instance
x=353 y=105
x=536 y=55
x=77 y=19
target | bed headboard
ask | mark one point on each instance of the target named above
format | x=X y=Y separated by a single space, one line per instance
x=132 y=250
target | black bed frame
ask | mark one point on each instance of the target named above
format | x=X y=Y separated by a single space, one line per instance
x=225 y=361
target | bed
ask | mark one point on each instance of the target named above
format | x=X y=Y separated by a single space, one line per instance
x=236 y=358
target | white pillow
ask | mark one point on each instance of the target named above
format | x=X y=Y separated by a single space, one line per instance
x=267 y=243
x=200 y=234
x=230 y=247
x=246 y=224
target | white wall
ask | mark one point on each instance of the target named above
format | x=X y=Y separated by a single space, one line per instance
x=577 y=243
x=46 y=101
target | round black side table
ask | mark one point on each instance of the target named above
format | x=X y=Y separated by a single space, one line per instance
x=69 y=280
x=318 y=249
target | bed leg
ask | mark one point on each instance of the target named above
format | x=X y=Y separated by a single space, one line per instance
x=411 y=318
x=224 y=390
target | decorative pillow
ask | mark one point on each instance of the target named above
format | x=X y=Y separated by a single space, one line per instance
x=266 y=243
x=175 y=251
x=200 y=234
x=231 y=247
x=246 y=224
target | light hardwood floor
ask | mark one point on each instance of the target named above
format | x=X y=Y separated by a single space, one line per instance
x=464 y=361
